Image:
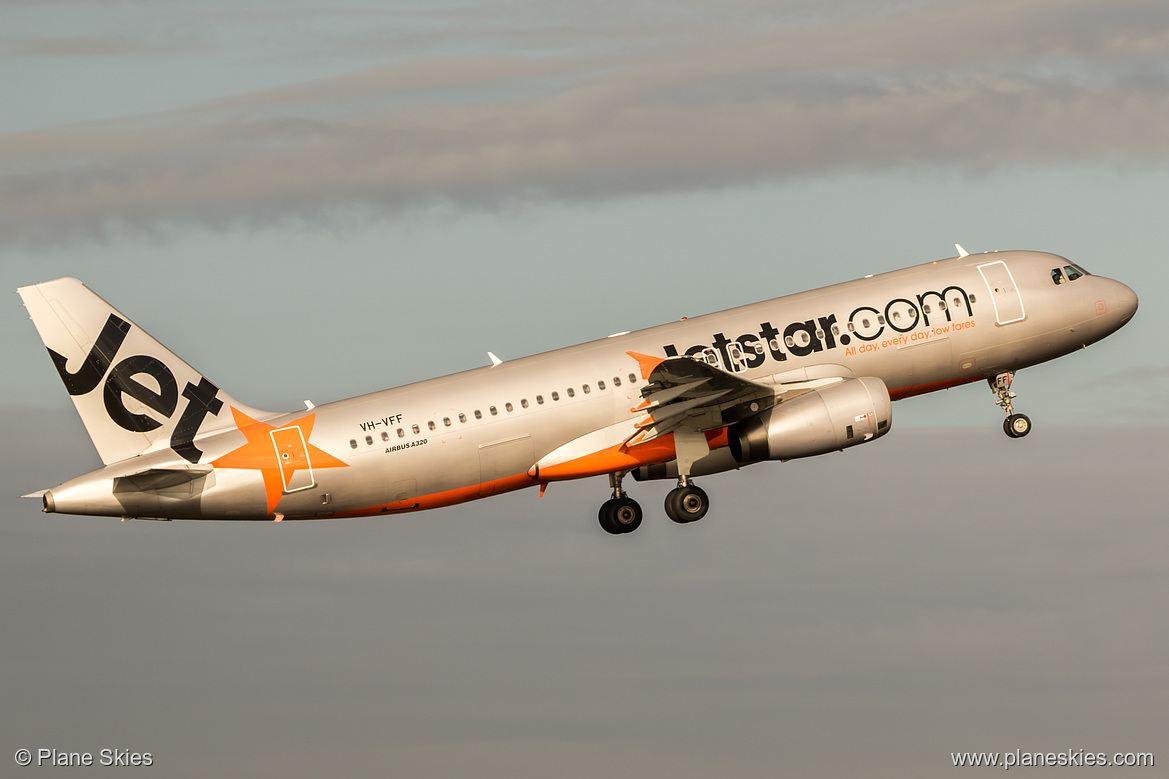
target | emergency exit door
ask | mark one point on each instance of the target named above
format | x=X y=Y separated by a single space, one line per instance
x=1008 y=306
x=292 y=454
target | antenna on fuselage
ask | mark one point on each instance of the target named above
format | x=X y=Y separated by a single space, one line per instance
x=961 y=252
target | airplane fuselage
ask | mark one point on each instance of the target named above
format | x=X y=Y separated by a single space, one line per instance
x=513 y=425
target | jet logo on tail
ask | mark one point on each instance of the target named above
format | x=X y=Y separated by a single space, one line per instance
x=120 y=382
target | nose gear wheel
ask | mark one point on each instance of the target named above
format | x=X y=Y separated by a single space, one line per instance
x=1015 y=425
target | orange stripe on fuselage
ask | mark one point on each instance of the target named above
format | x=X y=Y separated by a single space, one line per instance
x=920 y=389
x=624 y=457
x=445 y=498
x=659 y=450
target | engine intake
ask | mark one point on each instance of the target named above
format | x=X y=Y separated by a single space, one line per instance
x=826 y=420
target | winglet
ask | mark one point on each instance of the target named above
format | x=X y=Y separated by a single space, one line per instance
x=494 y=360
x=646 y=362
x=961 y=252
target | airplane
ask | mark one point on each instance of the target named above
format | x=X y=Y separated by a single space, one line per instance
x=796 y=376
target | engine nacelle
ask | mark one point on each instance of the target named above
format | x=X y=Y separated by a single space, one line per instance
x=826 y=420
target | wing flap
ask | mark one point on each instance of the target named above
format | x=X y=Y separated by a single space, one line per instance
x=687 y=393
x=684 y=392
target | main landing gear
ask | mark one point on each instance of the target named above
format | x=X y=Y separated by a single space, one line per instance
x=1015 y=425
x=686 y=502
x=622 y=514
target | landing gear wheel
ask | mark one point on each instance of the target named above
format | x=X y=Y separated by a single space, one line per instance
x=620 y=515
x=1017 y=425
x=687 y=504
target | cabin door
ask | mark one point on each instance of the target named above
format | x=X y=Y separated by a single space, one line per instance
x=1008 y=306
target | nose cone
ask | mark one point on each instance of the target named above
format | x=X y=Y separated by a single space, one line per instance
x=1124 y=302
x=1115 y=304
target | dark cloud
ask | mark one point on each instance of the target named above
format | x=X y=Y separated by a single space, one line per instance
x=934 y=84
x=81 y=46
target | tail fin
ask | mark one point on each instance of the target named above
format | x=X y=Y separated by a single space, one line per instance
x=133 y=394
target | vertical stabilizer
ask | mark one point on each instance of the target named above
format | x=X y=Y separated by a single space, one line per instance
x=133 y=394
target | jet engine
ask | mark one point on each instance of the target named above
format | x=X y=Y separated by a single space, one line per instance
x=836 y=417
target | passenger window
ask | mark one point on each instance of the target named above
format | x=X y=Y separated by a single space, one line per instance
x=353 y=443
x=507 y=406
x=586 y=389
x=774 y=344
x=556 y=396
x=493 y=410
x=789 y=341
x=385 y=436
x=369 y=440
x=633 y=378
x=973 y=299
x=401 y=433
x=478 y=414
x=1057 y=276
x=430 y=425
x=737 y=360
x=616 y=381
x=415 y=429
x=1073 y=273
x=462 y=417
x=523 y=402
x=539 y=400
x=571 y=392
x=446 y=421
x=601 y=385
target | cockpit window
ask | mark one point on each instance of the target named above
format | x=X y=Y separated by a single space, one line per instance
x=1067 y=273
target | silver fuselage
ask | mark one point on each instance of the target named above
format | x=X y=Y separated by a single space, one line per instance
x=483 y=431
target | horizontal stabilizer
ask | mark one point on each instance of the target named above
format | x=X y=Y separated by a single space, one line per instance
x=176 y=483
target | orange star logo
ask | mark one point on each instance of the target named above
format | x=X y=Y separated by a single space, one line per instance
x=277 y=453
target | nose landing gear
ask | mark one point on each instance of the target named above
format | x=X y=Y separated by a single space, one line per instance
x=1015 y=425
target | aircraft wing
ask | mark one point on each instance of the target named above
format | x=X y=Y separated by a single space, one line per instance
x=685 y=392
x=691 y=393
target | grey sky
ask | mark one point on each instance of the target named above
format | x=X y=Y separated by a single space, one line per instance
x=312 y=202
x=956 y=592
